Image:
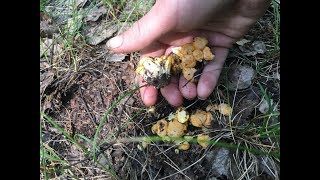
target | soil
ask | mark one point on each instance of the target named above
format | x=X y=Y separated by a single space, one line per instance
x=78 y=100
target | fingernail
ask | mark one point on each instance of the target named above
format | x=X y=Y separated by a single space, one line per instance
x=115 y=42
x=201 y=98
x=189 y=98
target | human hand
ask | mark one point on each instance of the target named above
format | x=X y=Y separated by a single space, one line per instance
x=173 y=23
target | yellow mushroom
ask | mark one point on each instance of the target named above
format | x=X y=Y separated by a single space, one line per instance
x=203 y=140
x=208 y=121
x=176 y=129
x=207 y=54
x=177 y=51
x=199 y=43
x=225 y=109
x=182 y=115
x=212 y=107
x=157 y=71
x=201 y=119
x=188 y=61
x=188 y=73
x=187 y=49
x=160 y=128
x=197 y=55
x=184 y=146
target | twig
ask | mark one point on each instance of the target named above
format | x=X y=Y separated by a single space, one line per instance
x=95 y=59
x=87 y=108
x=184 y=168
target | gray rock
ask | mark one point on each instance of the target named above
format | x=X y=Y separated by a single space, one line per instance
x=264 y=106
x=246 y=103
x=259 y=47
x=252 y=49
x=220 y=162
x=240 y=77
x=269 y=167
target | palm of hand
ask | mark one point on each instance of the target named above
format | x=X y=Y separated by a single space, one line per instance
x=229 y=22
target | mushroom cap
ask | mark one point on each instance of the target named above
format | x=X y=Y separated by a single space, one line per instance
x=176 y=129
x=160 y=128
x=184 y=146
x=225 y=109
x=201 y=139
x=200 y=43
x=201 y=119
x=182 y=115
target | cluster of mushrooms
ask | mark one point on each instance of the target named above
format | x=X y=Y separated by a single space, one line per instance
x=176 y=124
x=157 y=71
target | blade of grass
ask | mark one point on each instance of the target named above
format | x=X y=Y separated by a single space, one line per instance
x=276 y=29
x=62 y=130
x=108 y=112
x=233 y=146
x=111 y=171
x=126 y=125
x=92 y=145
x=42 y=149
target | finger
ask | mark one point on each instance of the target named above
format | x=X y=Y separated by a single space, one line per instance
x=176 y=38
x=150 y=27
x=172 y=94
x=153 y=50
x=148 y=94
x=216 y=39
x=211 y=73
x=187 y=89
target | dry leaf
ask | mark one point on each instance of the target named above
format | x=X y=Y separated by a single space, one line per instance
x=116 y=57
x=95 y=13
x=242 y=42
x=99 y=33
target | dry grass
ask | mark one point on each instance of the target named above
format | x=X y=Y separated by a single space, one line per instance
x=93 y=122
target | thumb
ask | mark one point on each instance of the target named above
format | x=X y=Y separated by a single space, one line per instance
x=158 y=21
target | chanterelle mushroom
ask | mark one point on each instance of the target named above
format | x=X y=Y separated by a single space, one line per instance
x=176 y=129
x=184 y=146
x=157 y=71
x=201 y=119
x=223 y=108
x=160 y=128
x=203 y=140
